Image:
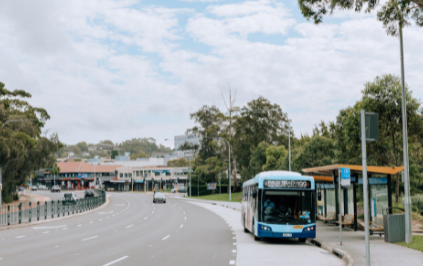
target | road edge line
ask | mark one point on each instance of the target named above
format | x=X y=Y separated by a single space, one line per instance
x=342 y=254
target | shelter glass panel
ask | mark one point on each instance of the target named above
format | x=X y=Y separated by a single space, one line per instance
x=330 y=200
x=378 y=199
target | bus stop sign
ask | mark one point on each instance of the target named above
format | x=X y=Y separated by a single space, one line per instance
x=345 y=177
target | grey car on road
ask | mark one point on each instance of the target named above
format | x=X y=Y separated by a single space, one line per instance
x=159 y=197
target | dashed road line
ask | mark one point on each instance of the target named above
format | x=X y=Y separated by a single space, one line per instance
x=129 y=226
x=110 y=263
x=233 y=250
x=181 y=226
x=19 y=236
x=231 y=262
x=85 y=239
x=166 y=237
x=46 y=232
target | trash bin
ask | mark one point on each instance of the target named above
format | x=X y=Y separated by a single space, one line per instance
x=394 y=227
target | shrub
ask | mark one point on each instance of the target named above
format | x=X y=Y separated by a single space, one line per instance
x=16 y=196
x=417 y=203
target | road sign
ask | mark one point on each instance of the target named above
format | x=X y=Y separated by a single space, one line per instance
x=211 y=186
x=345 y=177
x=371 y=126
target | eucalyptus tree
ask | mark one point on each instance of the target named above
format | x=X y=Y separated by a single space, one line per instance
x=22 y=147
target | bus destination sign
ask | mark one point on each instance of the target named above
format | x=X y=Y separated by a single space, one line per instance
x=286 y=184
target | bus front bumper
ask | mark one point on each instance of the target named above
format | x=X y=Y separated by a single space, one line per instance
x=286 y=231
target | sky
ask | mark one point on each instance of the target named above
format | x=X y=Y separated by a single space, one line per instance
x=118 y=70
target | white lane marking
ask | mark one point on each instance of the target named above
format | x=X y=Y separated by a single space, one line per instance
x=145 y=218
x=234 y=244
x=56 y=246
x=100 y=220
x=231 y=262
x=233 y=250
x=185 y=217
x=181 y=226
x=152 y=212
x=110 y=263
x=91 y=222
x=65 y=228
x=46 y=232
x=19 y=236
x=85 y=239
x=79 y=224
x=105 y=212
x=233 y=237
x=48 y=227
x=119 y=205
x=129 y=226
x=166 y=237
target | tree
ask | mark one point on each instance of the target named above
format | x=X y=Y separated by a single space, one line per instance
x=114 y=154
x=82 y=146
x=392 y=14
x=181 y=162
x=274 y=157
x=258 y=159
x=383 y=96
x=22 y=148
x=259 y=121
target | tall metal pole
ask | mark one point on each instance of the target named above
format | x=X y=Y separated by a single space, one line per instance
x=190 y=169
x=340 y=214
x=407 y=199
x=365 y=186
x=230 y=195
x=289 y=145
x=1 y=173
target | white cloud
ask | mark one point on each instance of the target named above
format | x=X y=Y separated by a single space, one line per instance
x=69 y=55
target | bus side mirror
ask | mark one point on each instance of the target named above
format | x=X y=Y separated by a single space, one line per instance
x=319 y=196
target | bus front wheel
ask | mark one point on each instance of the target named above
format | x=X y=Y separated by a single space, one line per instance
x=302 y=240
x=245 y=228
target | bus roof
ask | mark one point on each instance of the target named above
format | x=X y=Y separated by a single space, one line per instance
x=278 y=175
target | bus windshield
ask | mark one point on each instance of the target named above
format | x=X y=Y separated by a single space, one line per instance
x=288 y=207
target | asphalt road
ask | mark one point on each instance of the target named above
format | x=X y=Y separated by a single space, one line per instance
x=130 y=231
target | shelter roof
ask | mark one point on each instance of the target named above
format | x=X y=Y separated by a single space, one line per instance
x=329 y=169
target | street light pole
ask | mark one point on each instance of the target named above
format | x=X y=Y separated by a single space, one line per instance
x=407 y=199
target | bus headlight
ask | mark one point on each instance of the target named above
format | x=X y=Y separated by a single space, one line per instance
x=265 y=228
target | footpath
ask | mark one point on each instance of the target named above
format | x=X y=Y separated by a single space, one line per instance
x=381 y=252
x=353 y=243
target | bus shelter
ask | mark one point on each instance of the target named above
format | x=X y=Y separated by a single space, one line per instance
x=379 y=184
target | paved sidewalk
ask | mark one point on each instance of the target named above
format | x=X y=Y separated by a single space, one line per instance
x=269 y=252
x=381 y=253
x=235 y=205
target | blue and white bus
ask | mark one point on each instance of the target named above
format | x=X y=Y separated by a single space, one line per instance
x=279 y=204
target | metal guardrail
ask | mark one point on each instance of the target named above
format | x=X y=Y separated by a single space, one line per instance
x=40 y=211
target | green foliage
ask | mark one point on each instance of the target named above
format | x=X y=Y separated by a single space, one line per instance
x=391 y=14
x=181 y=162
x=114 y=154
x=15 y=196
x=139 y=155
x=274 y=157
x=258 y=159
x=417 y=202
x=22 y=148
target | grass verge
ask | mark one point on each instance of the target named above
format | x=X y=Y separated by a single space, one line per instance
x=417 y=243
x=236 y=197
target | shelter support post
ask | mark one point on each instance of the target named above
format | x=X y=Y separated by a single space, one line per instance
x=355 y=205
x=389 y=194
x=325 y=201
x=337 y=210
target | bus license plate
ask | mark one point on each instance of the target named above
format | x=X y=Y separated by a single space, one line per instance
x=287 y=235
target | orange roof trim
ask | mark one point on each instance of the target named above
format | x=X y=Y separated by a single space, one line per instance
x=327 y=170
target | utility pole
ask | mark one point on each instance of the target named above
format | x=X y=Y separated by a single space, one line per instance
x=289 y=144
x=407 y=199
x=365 y=186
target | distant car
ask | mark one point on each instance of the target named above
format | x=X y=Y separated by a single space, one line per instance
x=20 y=189
x=159 y=197
x=173 y=190
x=42 y=187
x=55 y=188
x=34 y=188
x=89 y=193
x=69 y=196
x=182 y=190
